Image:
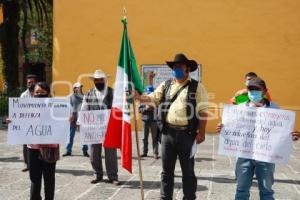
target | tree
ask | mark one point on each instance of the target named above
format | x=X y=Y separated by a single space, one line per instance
x=10 y=31
x=9 y=42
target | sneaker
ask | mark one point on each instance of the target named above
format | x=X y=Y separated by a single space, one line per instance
x=67 y=154
x=97 y=180
x=85 y=154
x=155 y=156
x=144 y=155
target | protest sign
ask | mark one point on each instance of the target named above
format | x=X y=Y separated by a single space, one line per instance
x=163 y=73
x=93 y=126
x=262 y=134
x=38 y=121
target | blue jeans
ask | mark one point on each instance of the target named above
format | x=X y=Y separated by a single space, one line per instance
x=72 y=135
x=245 y=169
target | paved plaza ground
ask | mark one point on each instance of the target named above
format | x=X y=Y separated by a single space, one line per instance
x=215 y=174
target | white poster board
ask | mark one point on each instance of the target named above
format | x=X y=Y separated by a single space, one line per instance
x=163 y=73
x=38 y=121
x=262 y=134
x=93 y=125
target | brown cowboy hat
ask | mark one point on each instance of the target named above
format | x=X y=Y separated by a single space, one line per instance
x=181 y=58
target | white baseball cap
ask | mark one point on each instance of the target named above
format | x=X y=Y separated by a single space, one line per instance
x=77 y=85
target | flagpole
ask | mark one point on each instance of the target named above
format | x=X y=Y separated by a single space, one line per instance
x=136 y=129
x=138 y=150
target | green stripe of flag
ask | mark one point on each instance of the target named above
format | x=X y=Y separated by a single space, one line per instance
x=127 y=61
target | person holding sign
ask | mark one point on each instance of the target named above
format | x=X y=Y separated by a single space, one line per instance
x=42 y=158
x=246 y=168
x=31 y=80
x=75 y=101
x=241 y=96
x=183 y=107
x=100 y=98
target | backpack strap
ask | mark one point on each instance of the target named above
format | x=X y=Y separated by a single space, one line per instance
x=168 y=97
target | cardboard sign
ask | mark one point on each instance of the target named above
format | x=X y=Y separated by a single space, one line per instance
x=262 y=134
x=163 y=73
x=38 y=121
x=93 y=126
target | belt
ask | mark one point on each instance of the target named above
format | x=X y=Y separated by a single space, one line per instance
x=177 y=127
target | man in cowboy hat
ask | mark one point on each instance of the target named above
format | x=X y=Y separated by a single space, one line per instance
x=183 y=104
x=98 y=98
x=75 y=101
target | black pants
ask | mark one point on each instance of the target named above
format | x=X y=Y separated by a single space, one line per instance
x=175 y=144
x=153 y=126
x=37 y=169
x=25 y=154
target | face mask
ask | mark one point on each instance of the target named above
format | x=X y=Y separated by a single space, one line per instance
x=100 y=86
x=41 y=95
x=178 y=73
x=255 y=96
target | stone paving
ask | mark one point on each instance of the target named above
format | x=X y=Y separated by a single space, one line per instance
x=215 y=176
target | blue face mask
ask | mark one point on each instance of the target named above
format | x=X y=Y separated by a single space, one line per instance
x=255 y=96
x=178 y=73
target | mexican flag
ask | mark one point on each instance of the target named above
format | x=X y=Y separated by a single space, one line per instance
x=118 y=133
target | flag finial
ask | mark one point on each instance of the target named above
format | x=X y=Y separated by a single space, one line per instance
x=124 y=19
x=124 y=11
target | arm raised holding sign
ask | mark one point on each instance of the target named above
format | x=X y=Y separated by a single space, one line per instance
x=296 y=135
x=219 y=127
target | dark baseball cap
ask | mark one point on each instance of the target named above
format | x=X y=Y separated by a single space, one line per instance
x=257 y=83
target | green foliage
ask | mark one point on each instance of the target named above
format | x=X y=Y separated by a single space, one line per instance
x=39 y=22
x=3 y=105
x=9 y=42
x=4 y=100
x=19 y=13
x=42 y=52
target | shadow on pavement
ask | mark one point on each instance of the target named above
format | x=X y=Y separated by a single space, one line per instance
x=297 y=182
x=204 y=159
x=75 y=172
x=232 y=180
x=11 y=159
x=155 y=185
x=217 y=179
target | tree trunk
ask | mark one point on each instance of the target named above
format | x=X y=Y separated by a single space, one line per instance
x=24 y=32
x=10 y=43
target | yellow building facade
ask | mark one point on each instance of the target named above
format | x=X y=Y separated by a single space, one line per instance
x=228 y=37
